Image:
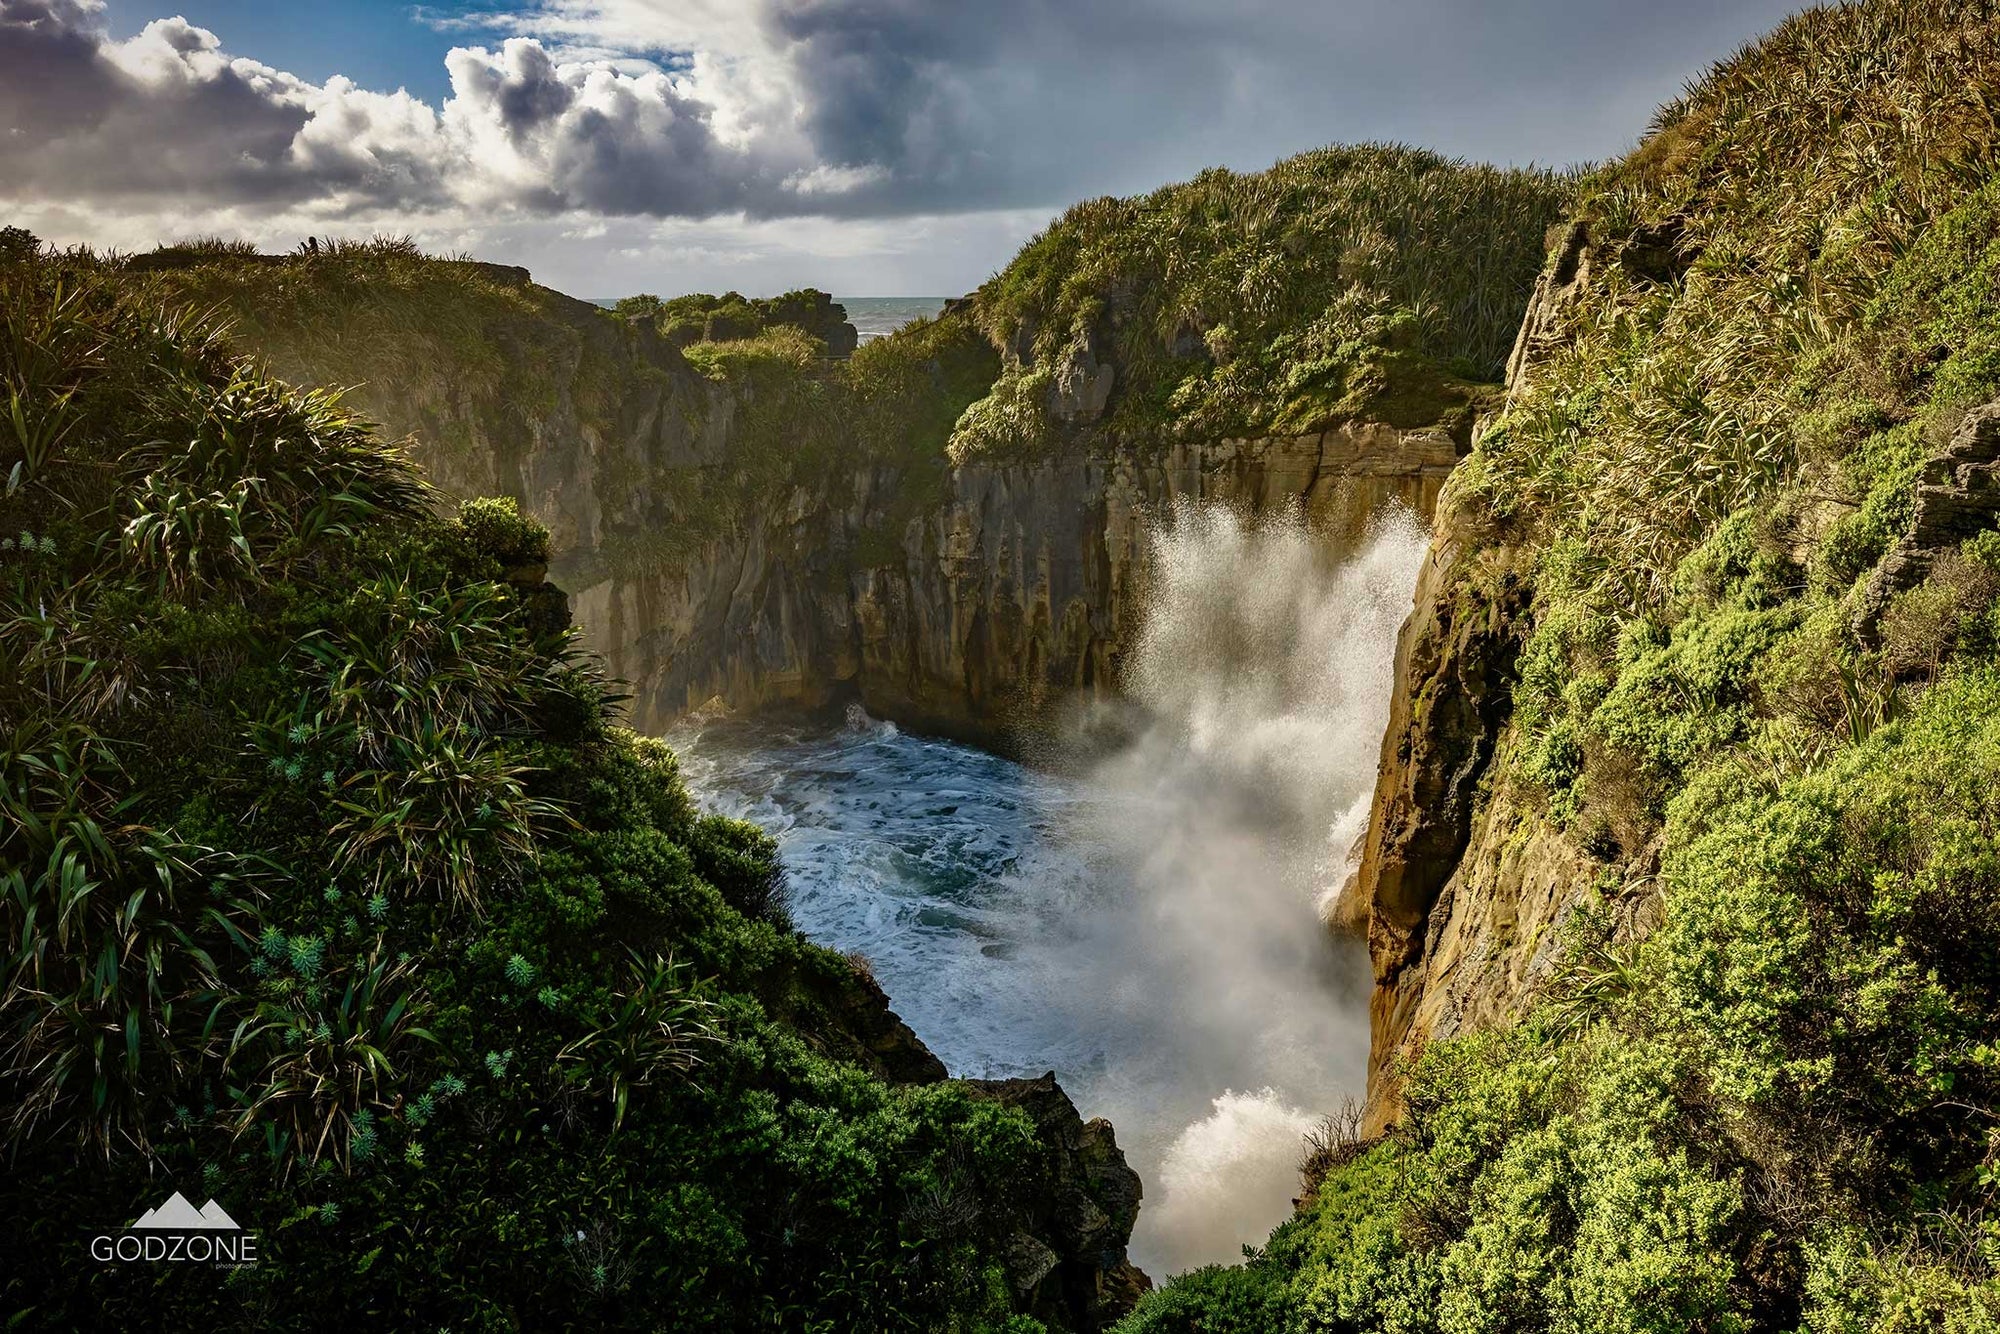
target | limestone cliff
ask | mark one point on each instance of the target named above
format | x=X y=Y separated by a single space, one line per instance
x=707 y=562
x=1023 y=586
x=1462 y=891
x=1465 y=883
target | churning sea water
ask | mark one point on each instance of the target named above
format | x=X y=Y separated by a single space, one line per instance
x=1145 y=922
x=946 y=868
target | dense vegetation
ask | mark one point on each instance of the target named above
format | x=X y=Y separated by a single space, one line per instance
x=1373 y=280
x=329 y=890
x=1778 y=1109
x=731 y=317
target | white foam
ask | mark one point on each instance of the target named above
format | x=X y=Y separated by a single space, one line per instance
x=1225 y=1175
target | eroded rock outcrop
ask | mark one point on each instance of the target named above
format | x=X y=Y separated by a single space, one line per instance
x=1066 y=1261
x=1957 y=496
x=1454 y=676
x=1064 y=1249
x=1465 y=886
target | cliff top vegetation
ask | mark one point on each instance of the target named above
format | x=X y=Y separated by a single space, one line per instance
x=1373 y=280
x=732 y=317
x=349 y=312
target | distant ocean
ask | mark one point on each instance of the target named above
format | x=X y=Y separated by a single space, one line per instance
x=871 y=316
x=874 y=316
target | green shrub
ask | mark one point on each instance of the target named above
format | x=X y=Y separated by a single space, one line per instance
x=1212 y=1300
x=732 y=317
x=495 y=528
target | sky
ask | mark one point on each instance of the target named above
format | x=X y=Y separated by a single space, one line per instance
x=868 y=147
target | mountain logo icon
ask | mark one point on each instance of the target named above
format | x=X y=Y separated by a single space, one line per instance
x=177 y=1215
x=179 y=1232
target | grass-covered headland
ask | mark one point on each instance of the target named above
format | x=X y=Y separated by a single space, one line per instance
x=1369 y=281
x=330 y=891
x=1745 y=501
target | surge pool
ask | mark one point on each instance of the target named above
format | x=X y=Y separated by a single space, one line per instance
x=1145 y=922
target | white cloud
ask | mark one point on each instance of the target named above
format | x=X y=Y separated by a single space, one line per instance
x=169 y=113
x=693 y=108
x=825 y=180
x=720 y=118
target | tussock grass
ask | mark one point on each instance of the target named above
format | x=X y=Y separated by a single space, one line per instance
x=1746 y=271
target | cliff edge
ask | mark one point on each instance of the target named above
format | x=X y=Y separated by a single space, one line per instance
x=949 y=524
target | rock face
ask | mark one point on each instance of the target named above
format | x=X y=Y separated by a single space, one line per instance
x=969 y=604
x=1454 y=673
x=1066 y=1263
x=1023 y=586
x=855 y=1019
x=1062 y=1234
x=1463 y=893
x=1463 y=888
x=1562 y=284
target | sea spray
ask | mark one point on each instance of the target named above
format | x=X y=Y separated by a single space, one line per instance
x=1216 y=1182
x=1146 y=922
x=1263 y=676
x=1267 y=665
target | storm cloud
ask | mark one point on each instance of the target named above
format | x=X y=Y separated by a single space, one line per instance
x=690 y=109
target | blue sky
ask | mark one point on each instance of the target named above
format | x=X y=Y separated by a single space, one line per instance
x=377 y=43
x=869 y=146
